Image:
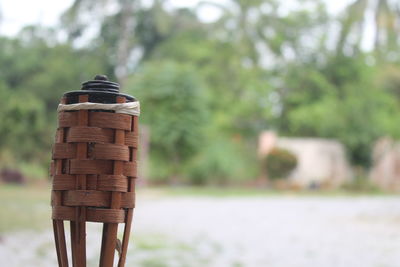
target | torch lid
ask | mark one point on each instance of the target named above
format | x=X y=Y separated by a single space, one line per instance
x=100 y=90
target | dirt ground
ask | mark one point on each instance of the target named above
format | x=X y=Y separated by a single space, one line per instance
x=242 y=231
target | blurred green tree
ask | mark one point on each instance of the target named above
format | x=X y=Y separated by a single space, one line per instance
x=342 y=101
x=175 y=109
x=262 y=64
x=35 y=70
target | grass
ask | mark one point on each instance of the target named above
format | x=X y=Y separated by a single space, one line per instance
x=212 y=191
x=24 y=207
x=156 y=250
x=28 y=207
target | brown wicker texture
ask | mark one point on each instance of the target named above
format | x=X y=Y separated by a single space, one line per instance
x=93 y=171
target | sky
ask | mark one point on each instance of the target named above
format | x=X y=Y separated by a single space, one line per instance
x=17 y=13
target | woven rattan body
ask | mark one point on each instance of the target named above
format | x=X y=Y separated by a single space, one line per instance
x=93 y=171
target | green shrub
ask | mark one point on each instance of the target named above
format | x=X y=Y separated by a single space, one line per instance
x=279 y=163
x=223 y=162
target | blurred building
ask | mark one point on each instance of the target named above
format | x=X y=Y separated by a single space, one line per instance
x=386 y=164
x=321 y=162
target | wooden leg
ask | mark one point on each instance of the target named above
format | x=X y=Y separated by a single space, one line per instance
x=110 y=242
x=56 y=239
x=58 y=225
x=125 y=239
x=72 y=225
x=109 y=245
x=110 y=236
x=103 y=239
x=81 y=184
x=61 y=246
x=82 y=244
x=78 y=243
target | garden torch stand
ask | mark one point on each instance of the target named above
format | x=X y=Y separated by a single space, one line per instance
x=94 y=169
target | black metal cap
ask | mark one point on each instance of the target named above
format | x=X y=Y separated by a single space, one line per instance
x=100 y=90
x=101 y=83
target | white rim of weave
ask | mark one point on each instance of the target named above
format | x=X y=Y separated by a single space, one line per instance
x=131 y=108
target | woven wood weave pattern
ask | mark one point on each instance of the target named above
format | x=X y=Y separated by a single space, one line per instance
x=93 y=170
x=101 y=155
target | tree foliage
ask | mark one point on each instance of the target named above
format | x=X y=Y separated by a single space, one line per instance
x=34 y=75
x=175 y=108
x=208 y=89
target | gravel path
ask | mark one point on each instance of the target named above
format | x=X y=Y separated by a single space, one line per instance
x=273 y=231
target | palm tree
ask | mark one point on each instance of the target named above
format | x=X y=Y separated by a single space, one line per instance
x=260 y=31
x=129 y=32
x=385 y=17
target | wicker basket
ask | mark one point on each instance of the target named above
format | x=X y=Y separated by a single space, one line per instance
x=93 y=172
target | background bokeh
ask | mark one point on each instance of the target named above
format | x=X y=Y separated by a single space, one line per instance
x=211 y=77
